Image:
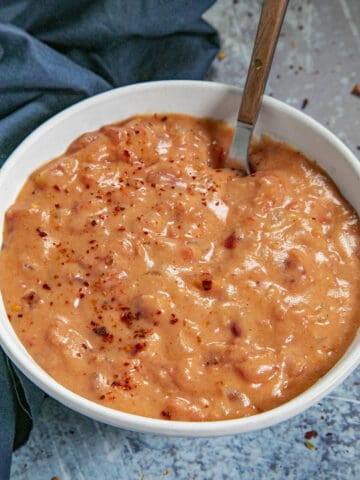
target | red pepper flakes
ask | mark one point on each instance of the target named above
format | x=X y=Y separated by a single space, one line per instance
x=46 y=287
x=41 y=233
x=142 y=333
x=138 y=347
x=310 y=434
x=129 y=317
x=173 y=319
x=29 y=297
x=207 y=284
x=109 y=260
x=102 y=397
x=118 y=209
x=93 y=223
x=124 y=383
x=165 y=414
x=102 y=332
x=235 y=329
x=230 y=241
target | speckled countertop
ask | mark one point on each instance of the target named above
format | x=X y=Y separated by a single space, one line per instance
x=318 y=59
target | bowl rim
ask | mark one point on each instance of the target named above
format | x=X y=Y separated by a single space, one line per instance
x=20 y=357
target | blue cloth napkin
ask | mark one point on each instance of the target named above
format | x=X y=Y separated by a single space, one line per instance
x=54 y=53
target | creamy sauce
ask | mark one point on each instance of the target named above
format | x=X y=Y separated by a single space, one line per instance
x=144 y=279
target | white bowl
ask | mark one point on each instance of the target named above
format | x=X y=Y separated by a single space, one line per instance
x=204 y=99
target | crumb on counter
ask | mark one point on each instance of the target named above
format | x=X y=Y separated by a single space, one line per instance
x=310 y=445
x=356 y=90
x=310 y=434
x=304 y=103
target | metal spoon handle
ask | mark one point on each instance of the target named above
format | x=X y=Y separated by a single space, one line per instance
x=271 y=19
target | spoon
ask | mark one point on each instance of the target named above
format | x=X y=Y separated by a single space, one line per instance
x=271 y=19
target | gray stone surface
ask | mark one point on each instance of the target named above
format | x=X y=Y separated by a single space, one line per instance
x=318 y=59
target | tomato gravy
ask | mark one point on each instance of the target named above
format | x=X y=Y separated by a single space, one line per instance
x=143 y=276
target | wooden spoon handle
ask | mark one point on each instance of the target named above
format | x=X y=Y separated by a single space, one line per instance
x=271 y=19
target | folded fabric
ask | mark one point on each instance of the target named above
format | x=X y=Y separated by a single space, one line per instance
x=55 y=53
